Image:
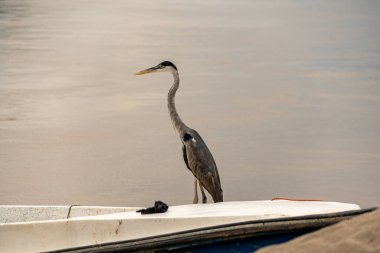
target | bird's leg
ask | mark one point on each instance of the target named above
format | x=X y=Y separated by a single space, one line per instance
x=195 y=201
x=204 y=198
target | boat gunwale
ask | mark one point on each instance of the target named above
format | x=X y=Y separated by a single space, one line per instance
x=229 y=231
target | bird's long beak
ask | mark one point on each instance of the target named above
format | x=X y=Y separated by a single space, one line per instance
x=146 y=71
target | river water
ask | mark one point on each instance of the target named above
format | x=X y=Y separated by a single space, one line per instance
x=285 y=93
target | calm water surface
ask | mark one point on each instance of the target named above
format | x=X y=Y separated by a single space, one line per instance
x=286 y=95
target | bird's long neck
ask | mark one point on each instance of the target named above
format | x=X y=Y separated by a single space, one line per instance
x=178 y=124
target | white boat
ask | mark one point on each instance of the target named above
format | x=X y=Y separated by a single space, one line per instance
x=106 y=229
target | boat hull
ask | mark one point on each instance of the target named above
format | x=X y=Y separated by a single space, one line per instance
x=180 y=228
x=239 y=237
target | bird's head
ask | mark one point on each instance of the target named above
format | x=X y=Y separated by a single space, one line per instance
x=163 y=66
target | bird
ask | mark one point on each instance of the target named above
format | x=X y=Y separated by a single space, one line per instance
x=196 y=154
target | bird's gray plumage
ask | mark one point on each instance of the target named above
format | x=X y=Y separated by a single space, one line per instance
x=196 y=154
x=201 y=163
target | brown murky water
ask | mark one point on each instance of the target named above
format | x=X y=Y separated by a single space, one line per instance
x=286 y=95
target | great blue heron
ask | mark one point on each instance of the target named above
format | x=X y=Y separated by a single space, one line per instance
x=197 y=156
